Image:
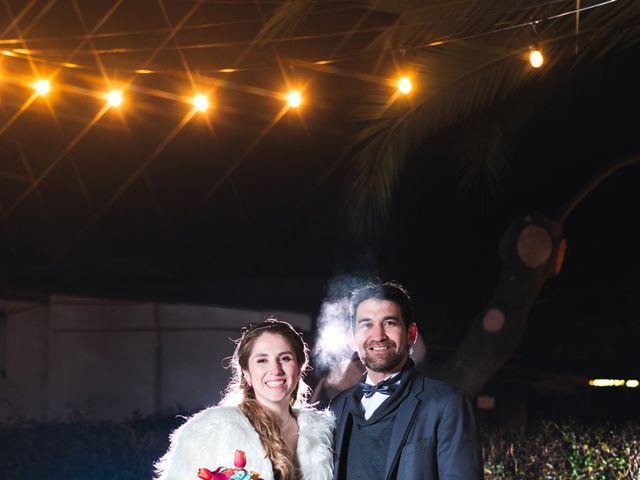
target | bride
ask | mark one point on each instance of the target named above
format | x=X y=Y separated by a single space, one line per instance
x=263 y=413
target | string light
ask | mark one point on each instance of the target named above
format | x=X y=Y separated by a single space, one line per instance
x=404 y=85
x=42 y=87
x=613 y=382
x=115 y=98
x=606 y=382
x=294 y=99
x=536 y=59
x=200 y=103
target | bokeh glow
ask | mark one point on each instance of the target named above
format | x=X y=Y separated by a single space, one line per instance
x=200 y=103
x=536 y=59
x=115 y=98
x=42 y=87
x=294 y=99
x=404 y=85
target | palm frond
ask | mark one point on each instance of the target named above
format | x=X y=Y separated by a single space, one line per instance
x=286 y=19
x=469 y=80
x=464 y=77
x=423 y=25
x=475 y=65
x=483 y=162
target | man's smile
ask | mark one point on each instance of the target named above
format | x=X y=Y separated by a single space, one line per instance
x=380 y=347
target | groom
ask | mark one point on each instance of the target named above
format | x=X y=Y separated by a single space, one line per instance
x=397 y=423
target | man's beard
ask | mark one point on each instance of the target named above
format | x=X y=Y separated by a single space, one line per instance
x=383 y=363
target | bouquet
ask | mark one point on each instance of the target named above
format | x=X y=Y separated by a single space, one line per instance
x=225 y=473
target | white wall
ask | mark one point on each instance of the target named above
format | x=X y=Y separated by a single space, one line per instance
x=108 y=359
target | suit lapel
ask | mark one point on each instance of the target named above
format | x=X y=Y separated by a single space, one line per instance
x=402 y=424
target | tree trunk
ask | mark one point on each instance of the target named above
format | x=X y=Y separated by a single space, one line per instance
x=532 y=250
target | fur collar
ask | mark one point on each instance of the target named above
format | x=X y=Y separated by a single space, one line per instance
x=209 y=439
x=315 y=444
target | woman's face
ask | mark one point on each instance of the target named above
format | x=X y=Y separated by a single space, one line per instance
x=273 y=370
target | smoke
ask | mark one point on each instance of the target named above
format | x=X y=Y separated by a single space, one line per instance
x=331 y=347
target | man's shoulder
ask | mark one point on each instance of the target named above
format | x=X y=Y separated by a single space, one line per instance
x=435 y=389
x=339 y=399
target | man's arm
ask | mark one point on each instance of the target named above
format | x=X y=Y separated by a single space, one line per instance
x=458 y=450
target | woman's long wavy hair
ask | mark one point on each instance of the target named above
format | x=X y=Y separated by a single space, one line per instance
x=239 y=393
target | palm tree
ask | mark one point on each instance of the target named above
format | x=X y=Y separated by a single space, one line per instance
x=468 y=57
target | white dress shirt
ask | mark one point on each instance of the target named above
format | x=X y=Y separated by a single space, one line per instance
x=372 y=403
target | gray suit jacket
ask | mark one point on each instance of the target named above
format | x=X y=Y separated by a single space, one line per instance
x=434 y=436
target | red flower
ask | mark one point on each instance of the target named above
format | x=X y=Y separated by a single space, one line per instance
x=239 y=459
x=205 y=474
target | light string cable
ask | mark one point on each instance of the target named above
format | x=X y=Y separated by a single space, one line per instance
x=124 y=50
x=513 y=27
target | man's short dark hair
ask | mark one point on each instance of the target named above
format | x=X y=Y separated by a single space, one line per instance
x=391 y=291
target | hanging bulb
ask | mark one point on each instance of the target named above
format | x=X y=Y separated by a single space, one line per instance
x=294 y=99
x=404 y=85
x=114 y=98
x=536 y=59
x=42 y=87
x=200 y=103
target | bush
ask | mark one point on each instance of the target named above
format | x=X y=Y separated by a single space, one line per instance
x=81 y=450
x=564 y=451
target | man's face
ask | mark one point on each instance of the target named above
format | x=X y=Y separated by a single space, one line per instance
x=381 y=338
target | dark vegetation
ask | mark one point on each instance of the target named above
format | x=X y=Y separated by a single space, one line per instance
x=82 y=450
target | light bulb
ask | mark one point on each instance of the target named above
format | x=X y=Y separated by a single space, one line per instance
x=114 y=98
x=536 y=59
x=200 y=103
x=42 y=87
x=404 y=85
x=294 y=99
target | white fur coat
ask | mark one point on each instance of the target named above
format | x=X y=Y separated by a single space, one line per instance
x=210 y=438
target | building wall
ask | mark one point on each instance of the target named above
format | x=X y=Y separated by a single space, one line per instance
x=23 y=345
x=97 y=359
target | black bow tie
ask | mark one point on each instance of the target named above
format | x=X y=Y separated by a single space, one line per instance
x=386 y=387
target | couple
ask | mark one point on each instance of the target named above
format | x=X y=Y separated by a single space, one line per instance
x=394 y=424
